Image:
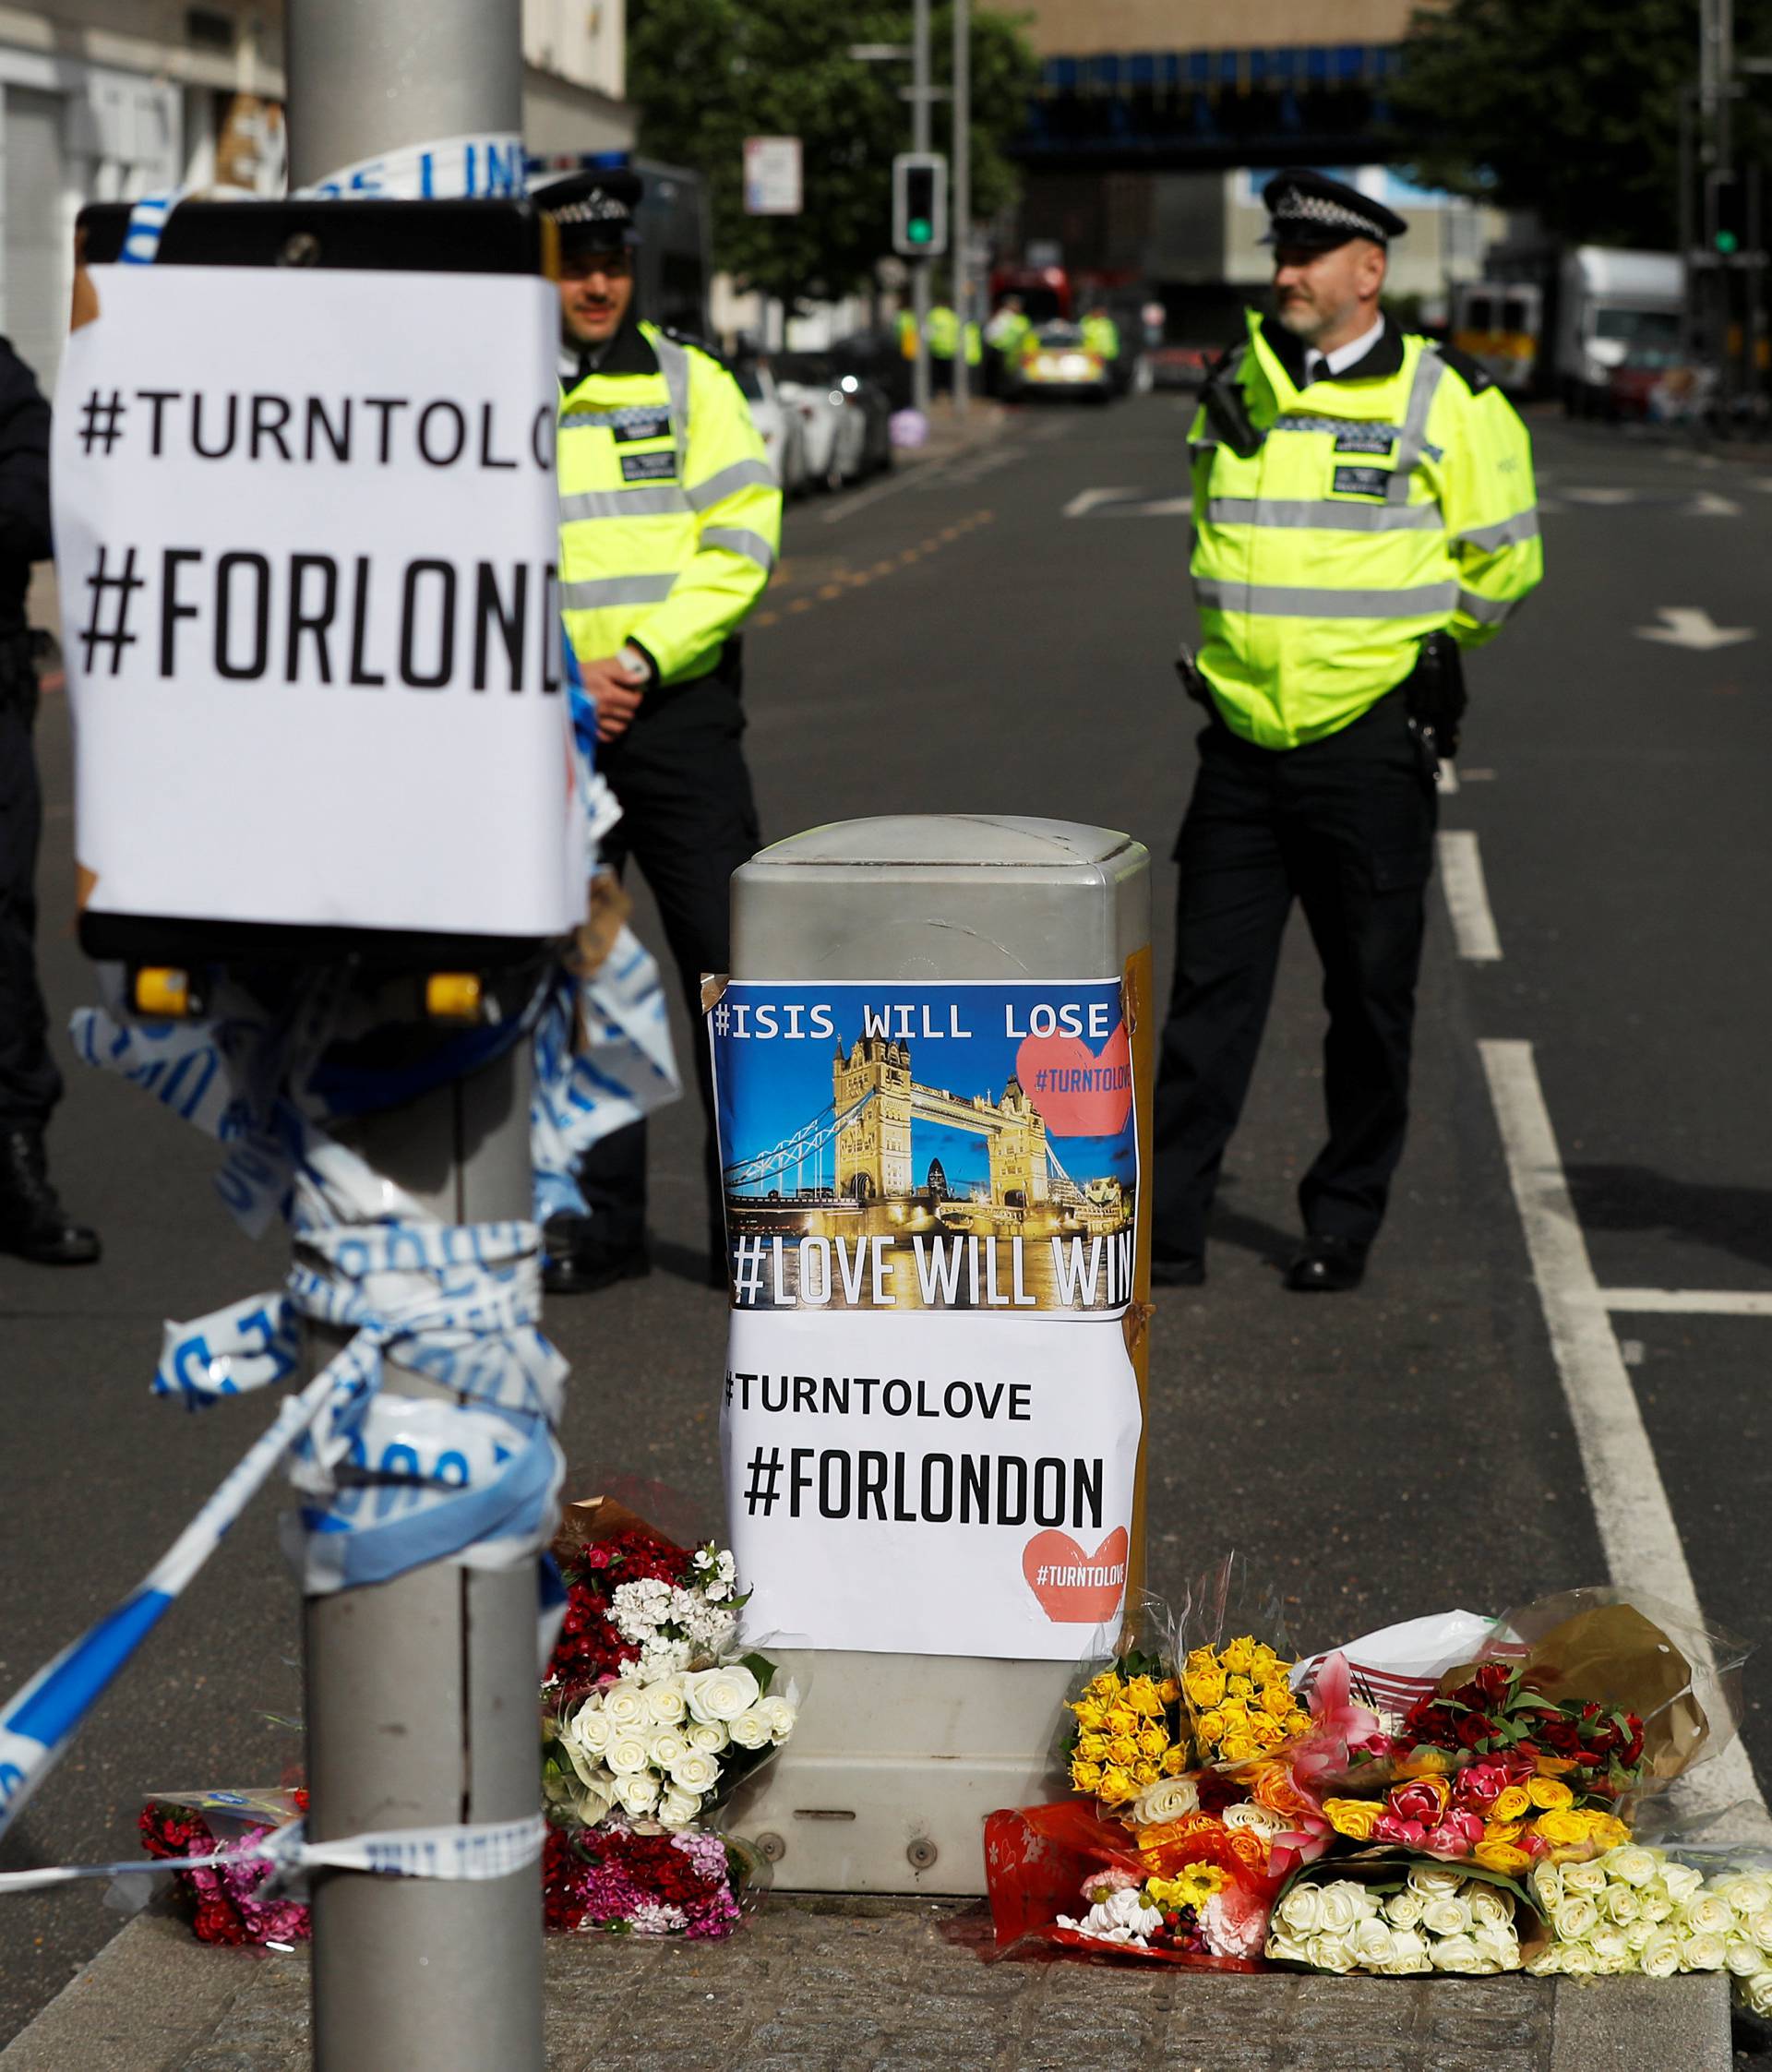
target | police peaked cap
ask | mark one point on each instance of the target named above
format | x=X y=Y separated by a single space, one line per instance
x=594 y=210
x=1312 y=209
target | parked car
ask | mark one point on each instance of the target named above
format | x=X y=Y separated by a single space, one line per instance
x=879 y=357
x=779 y=423
x=876 y=407
x=836 y=428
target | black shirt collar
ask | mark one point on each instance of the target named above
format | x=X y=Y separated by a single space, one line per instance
x=1384 y=358
x=627 y=353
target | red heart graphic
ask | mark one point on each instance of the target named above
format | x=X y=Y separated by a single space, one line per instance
x=1075 y=1588
x=1080 y=1091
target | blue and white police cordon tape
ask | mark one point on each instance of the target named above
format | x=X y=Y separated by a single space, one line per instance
x=477 y=1849
x=451 y=168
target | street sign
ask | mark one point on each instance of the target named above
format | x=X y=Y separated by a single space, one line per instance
x=919 y=204
x=774 y=185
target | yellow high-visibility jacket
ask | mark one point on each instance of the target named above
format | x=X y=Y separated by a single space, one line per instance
x=1101 y=334
x=1378 y=509
x=670 y=513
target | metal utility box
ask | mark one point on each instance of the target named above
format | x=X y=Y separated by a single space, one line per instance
x=899 y=1754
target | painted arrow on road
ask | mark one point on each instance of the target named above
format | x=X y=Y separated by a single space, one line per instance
x=1690 y=626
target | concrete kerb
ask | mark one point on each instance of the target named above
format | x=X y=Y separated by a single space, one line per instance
x=894 y=1985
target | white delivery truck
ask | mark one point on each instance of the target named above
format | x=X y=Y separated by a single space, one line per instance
x=1615 y=310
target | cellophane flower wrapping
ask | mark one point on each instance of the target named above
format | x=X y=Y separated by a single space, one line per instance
x=1049 y=1868
x=226 y=1902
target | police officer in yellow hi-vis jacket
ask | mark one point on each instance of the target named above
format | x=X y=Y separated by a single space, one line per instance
x=1363 y=511
x=670 y=524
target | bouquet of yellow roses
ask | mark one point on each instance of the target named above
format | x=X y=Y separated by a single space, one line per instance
x=1129 y=1731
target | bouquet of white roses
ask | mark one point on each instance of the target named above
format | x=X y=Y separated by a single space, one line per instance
x=1635 y=1910
x=1434 y=1919
x=669 y=1747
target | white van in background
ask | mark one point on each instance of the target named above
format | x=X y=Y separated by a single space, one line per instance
x=1615 y=310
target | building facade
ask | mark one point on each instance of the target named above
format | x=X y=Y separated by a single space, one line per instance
x=110 y=100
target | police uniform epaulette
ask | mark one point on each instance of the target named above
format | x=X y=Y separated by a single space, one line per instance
x=679 y=337
x=1475 y=377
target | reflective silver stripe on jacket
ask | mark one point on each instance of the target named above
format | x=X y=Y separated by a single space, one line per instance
x=1506 y=531
x=1486 y=611
x=735 y=539
x=741 y=475
x=597 y=592
x=657 y=502
x=1276 y=600
x=1329 y=514
x=673 y=365
x=1429 y=370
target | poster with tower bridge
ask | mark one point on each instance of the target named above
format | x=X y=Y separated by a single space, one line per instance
x=959 y=1147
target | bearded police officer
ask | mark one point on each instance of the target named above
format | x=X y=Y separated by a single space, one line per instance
x=1364 y=510
x=670 y=523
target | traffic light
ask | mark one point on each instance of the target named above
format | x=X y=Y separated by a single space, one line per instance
x=1728 y=209
x=919 y=204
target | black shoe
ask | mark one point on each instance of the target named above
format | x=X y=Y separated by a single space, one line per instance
x=1328 y=1266
x=1181 y=1269
x=32 y=1221
x=577 y=1264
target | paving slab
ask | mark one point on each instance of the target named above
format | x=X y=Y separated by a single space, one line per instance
x=889 y=1986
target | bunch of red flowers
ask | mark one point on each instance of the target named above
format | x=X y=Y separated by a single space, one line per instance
x=618 y=1878
x=1597 y=1749
x=590 y=1648
x=227 y=1906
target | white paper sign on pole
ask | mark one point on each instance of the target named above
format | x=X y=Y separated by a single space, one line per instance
x=773 y=177
x=931 y=1419
x=306 y=525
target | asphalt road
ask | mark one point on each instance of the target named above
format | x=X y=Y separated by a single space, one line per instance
x=952 y=640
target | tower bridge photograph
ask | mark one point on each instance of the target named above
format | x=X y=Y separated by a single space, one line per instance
x=955 y=1195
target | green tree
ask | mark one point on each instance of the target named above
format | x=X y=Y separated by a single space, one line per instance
x=1558 y=106
x=706 y=74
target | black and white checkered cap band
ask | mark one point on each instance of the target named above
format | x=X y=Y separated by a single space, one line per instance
x=598 y=207
x=1294 y=207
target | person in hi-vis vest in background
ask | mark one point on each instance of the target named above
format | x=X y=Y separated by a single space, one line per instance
x=670 y=525
x=1364 y=513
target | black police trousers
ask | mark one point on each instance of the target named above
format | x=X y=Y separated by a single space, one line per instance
x=689 y=820
x=1344 y=825
x=30 y=1083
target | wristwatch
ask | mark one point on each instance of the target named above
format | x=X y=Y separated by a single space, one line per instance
x=637 y=662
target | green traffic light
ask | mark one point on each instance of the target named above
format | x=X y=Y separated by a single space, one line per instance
x=919 y=230
x=1727 y=241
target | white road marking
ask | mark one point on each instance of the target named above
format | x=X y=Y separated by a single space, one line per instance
x=1479 y=776
x=1447 y=781
x=1461 y=873
x=1708 y=504
x=1085 y=501
x=1690 y=626
x=1125 y=503
x=1689 y=1301
x=1637 y=1525
x=1600 y=496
